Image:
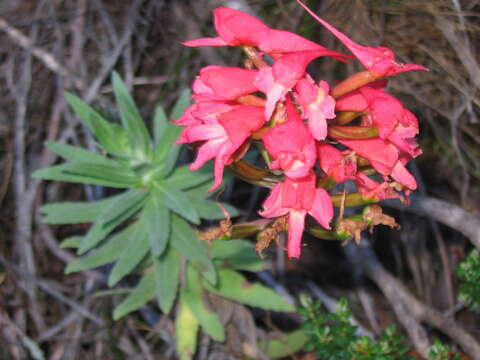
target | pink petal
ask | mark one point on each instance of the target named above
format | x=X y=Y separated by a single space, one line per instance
x=228 y=82
x=296 y=225
x=322 y=208
x=378 y=60
x=275 y=91
x=206 y=152
x=381 y=155
x=401 y=175
x=216 y=41
x=317 y=123
x=274 y=41
x=238 y=28
x=241 y=121
x=299 y=193
x=205 y=132
x=272 y=205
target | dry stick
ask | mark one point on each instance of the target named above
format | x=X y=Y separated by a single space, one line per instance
x=444 y=212
x=23 y=217
x=399 y=296
x=447 y=270
x=47 y=287
x=46 y=58
x=416 y=332
x=32 y=347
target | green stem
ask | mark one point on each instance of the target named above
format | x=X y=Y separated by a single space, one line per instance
x=352 y=199
x=324 y=234
x=352 y=132
x=246 y=229
x=253 y=174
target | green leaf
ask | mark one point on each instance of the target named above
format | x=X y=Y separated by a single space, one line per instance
x=74 y=212
x=184 y=178
x=131 y=119
x=209 y=209
x=143 y=293
x=193 y=297
x=157 y=220
x=72 y=242
x=237 y=254
x=124 y=206
x=177 y=201
x=167 y=276
x=232 y=285
x=186 y=330
x=166 y=151
x=136 y=249
x=76 y=154
x=182 y=103
x=116 y=177
x=102 y=130
x=186 y=242
x=105 y=254
x=160 y=124
x=285 y=345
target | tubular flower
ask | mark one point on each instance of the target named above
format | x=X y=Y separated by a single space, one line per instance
x=223 y=137
x=316 y=104
x=291 y=145
x=297 y=197
x=339 y=165
x=380 y=61
x=236 y=28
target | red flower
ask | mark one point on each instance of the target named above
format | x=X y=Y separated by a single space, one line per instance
x=291 y=145
x=339 y=165
x=222 y=137
x=297 y=197
x=316 y=104
x=236 y=28
x=380 y=61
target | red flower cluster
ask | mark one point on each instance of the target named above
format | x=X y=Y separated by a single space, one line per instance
x=305 y=126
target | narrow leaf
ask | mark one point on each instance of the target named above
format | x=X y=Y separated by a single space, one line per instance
x=183 y=101
x=72 y=242
x=157 y=219
x=116 y=177
x=186 y=330
x=124 y=206
x=141 y=294
x=237 y=254
x=136 y=249
x=74 y=212
x=131 y=119
x=184 y=178
x=106 y=254
x=284 y=345
x=167 y=271
x=166 y=151
x=211 y=210
x=232 y=285
x=193 y=297
x=177 y=201
x=186 y=242
x=102 y=130
x=76 y=154
x=160 y=123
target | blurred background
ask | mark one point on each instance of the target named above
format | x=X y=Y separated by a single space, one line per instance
x=48 y=47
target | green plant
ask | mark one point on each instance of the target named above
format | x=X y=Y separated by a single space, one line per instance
x=469 y=272
x=146 y=228
x=439 y=351
x=333 y=337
